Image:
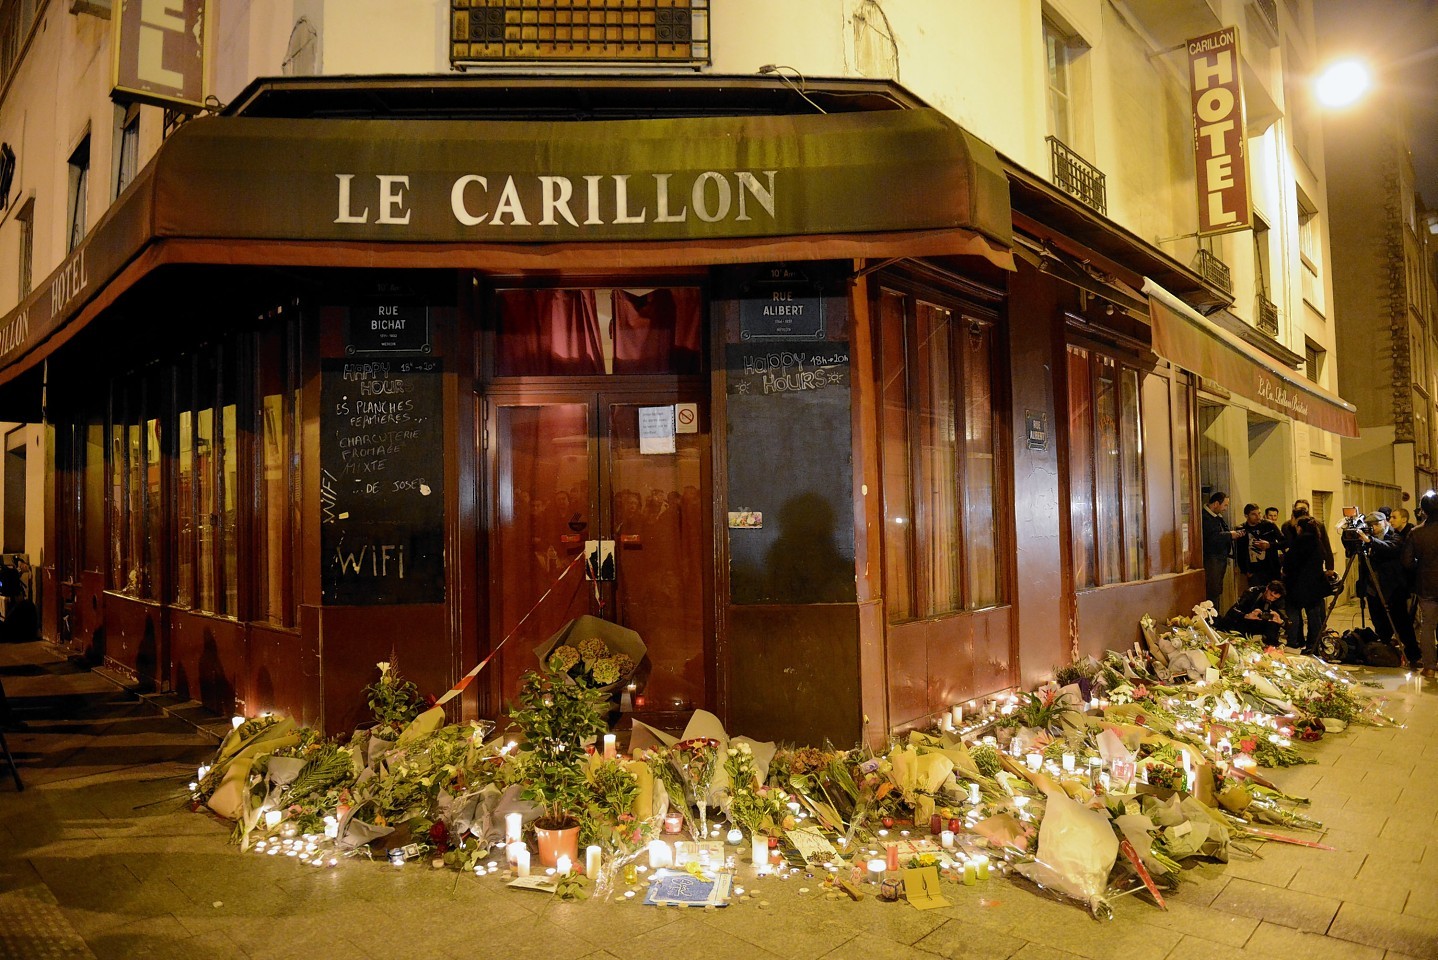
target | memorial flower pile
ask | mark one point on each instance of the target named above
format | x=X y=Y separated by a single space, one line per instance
x=1113 y=777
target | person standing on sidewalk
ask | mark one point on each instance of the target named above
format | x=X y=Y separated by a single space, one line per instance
x=1420 y=554
x=1218 y=543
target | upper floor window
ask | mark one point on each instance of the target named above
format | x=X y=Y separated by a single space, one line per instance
x=79 y=186
x=1309 y=239
x=26 y=220
x=1313 y=360
x=127 y=145
x=1058 y=56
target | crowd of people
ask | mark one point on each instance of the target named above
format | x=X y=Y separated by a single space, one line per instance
x=1290 y=573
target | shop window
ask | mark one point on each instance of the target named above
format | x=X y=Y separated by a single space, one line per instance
x=79 y=174
x=210 y=466
x=15 y=493
x=93 y=495
x=277 y=393
x=939 y=459
x=186 y=507
x=596 y=332
x=1107 y=497
x=135 y=487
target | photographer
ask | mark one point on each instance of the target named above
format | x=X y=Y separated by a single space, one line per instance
x=1257 y=612
x=1420 y=554
x=1383 y=583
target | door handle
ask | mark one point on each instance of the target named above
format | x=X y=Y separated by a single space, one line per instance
x=599 y=560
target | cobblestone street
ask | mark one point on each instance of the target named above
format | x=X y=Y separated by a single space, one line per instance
x=99 y=856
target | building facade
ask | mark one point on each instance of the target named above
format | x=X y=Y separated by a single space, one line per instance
x=861 y=376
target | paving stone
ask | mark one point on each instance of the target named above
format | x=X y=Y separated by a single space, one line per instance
x=1284 y=943
x=1405 y=933
x=1202 y=922
x=959 y=941
x=1302 y=911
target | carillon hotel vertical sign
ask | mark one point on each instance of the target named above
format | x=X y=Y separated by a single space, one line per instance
x=160 y=53
x=1220 y=154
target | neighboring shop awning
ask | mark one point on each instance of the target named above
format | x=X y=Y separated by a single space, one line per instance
x=514 y=195
x=1185 y=337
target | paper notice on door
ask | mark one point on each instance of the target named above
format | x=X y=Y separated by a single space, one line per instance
x=656 y=429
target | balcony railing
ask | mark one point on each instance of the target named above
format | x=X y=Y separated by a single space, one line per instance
x=1215 y=271
x=1077 y=177
x=1267 y=314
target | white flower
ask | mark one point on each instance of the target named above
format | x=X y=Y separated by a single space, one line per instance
x=383 y=667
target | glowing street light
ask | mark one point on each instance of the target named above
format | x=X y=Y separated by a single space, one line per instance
x=1343 y=83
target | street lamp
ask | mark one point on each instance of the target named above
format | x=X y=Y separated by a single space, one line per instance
x=1343 y=83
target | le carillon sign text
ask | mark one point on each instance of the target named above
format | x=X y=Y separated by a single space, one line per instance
x=447 y=182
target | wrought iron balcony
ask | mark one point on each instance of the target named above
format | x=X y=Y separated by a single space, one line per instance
x=1266 y=313
x=1214 y=270
x=1077 y=177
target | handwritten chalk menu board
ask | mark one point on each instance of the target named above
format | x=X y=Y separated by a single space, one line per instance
x=790 y=460
x=382 y=481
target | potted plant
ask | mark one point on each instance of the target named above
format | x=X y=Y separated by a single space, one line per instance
x=555 y=718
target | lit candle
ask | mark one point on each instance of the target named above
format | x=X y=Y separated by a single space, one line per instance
x=759 y=852
x=272 y=819
x=511 y=852
x=513 y=827
x=982 y=866
x=974 y=793
x=876 y=870
x=521 y=860
x=1036 y=760
x=236 y=722
x=661 y=856
x=735 y=836
x=958 y=714
x=563 y=866
x=591 y=862
x=332 y=828
x=971 y=873
x=891 y=855
x=1069 y=763
x=673 y=822
x=946 y=839
x=609 y=748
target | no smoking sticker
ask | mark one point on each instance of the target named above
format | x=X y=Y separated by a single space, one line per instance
x=686 y=418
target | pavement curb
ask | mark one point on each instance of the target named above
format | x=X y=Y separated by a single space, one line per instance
x=190 y=712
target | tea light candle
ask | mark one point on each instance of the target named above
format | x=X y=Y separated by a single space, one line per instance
x=591 y=862
x=609 y=747
x=735 y=836
x=521 y=860
x=513 y=827
x=1036 y=760
x=1068 y=760
x=946 y=839
x=332 y=828
x=563 y=866
x=660 y=854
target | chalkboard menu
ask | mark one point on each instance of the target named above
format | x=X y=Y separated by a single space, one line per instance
x=382 y=481
x=790 y=472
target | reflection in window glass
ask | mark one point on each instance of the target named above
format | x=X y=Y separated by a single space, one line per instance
x=898 y=507
x=229 y=507
x=154 y=515
x=937 y=461
x=205 y=454
x=980 y=471
x=1106 y=473
x=185 y=500
x=117 y=499
x=135 y=572
x=1132 y=459
x=1081 y=498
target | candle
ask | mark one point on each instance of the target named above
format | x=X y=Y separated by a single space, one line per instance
x=591 y=862
x=513 y=827
x=673 y=822
x=563 y=866
x=609 y=748
x=891 y=855
x=946 y=839
x=982 y=866
x=936 y=824
x=973 y=793
x=759 y=852
x=521 y=860
x=735 y=836
x=1068 y=759
x=236 y=722
x=511 y=852
x=660 y=855
x=876 y=870
x=957 y=713
x=1036 y=760
x=272 y=819
x=971 y=873
x=332 y=828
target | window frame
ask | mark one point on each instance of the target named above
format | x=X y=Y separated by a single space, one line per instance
x=78 y=190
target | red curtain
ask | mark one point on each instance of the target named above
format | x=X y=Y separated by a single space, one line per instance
x=658 y=331
x=548 y=333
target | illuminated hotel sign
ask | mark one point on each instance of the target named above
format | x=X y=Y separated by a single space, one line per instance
x=160 y=53
x=1220 y=156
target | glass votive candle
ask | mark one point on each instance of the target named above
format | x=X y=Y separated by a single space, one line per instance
x=673 y=822
x=1036 y=760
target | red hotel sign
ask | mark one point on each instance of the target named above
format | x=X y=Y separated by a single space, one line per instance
x=1220 y=157
x=160 y=53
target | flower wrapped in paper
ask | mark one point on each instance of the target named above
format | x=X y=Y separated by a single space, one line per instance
x=594 y=652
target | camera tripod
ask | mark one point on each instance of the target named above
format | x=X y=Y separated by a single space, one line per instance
x=1359 y=558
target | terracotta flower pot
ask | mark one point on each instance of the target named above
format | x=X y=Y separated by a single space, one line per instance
x=554 y=844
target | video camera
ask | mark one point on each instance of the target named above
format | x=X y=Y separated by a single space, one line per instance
x=1349 y=528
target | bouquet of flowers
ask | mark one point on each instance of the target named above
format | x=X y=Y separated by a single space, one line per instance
x=695 y=760
x=593 y=653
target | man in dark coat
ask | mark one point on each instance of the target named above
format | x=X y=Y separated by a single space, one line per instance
x=1257 y=553
x=1218 y=542
x=1382 y=583
x=1420 y=553
x=1257 y=612
x=1307 y=583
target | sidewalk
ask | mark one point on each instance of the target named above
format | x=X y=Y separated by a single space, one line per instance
x=100 y=857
